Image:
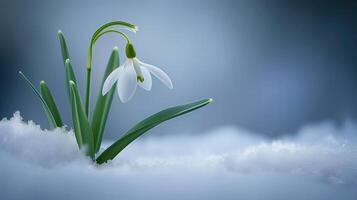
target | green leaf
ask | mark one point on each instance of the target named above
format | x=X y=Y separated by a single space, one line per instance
x=146 y=125
x=50 y=117
x=69 y=75
x=64 y=48
x=48 y=98
x=66 y=60
x=104 y=103
x=82 y=129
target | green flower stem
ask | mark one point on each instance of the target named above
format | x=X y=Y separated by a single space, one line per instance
x=112 y=31
x=97 y=34
x=89 y=70
x=129 y=26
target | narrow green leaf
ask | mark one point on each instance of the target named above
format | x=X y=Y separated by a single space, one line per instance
x=146 y=125
x=69 y=75
x=64 y=48
x=104 y=103
x=48 y=98
x=66 y=60
x=82 y=129
x=50 y=116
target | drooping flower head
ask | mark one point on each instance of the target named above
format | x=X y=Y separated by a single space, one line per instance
x=131 y=73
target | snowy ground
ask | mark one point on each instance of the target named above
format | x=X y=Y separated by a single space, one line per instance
x=320 y=162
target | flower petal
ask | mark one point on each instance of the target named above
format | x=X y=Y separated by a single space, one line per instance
x=137 y=67
x=111 y=79
x=127 y=83
x=147 y=84
x=161 y=75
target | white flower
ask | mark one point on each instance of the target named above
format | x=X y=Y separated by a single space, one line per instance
x=131 y=73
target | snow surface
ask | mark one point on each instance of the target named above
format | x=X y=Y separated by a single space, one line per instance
x=318 y=162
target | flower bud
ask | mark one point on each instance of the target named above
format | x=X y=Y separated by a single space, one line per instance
x=130 y=51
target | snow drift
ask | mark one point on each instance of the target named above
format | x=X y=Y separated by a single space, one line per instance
x=318 y=162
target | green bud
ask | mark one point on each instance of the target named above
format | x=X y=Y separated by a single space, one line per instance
x=130 y=51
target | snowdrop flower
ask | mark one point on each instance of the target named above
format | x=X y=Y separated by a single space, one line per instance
x=131 y=73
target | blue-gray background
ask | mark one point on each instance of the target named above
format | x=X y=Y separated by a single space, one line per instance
x=270 y=66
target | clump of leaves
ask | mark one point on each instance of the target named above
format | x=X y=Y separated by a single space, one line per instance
x=89 y=131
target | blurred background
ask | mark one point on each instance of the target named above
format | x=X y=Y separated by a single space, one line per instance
x=270 y=66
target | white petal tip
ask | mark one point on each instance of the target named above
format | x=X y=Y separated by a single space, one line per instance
x=123 y=100
x=210 y=100
x=59 y=31
x=169 y=84
x=103 y=93
x=115 y=48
